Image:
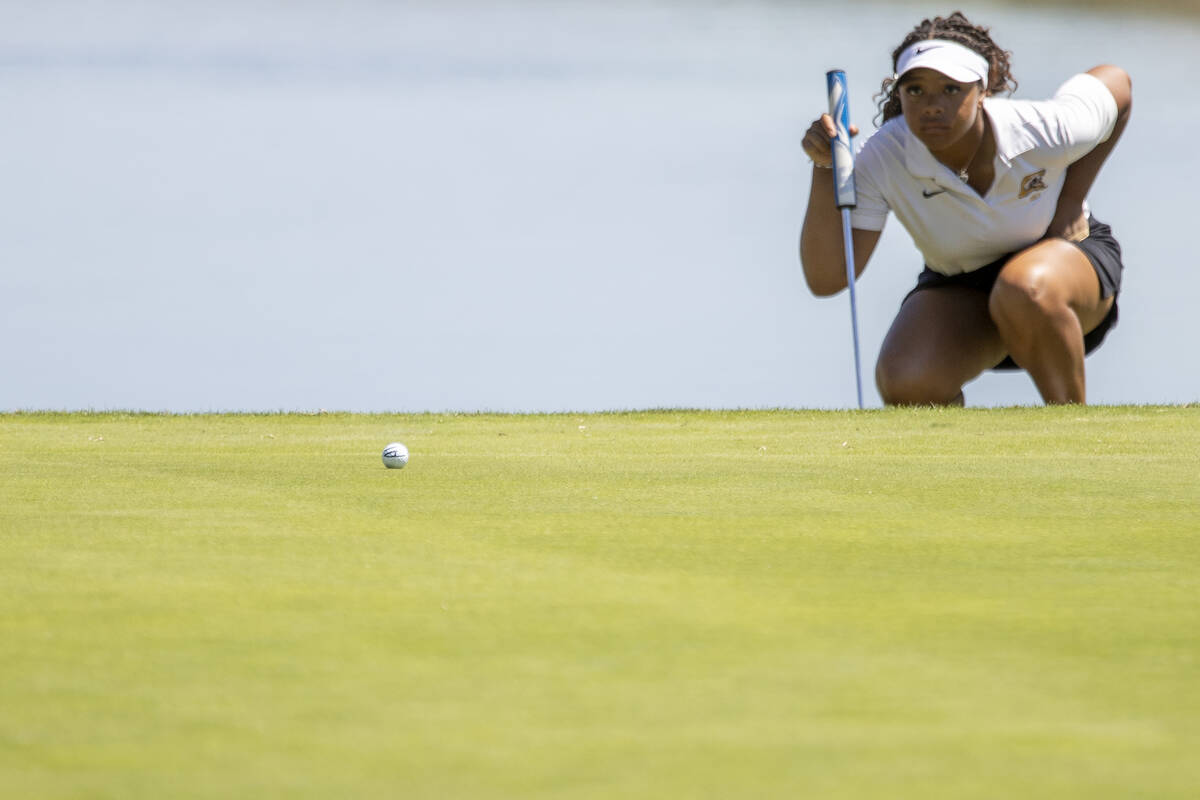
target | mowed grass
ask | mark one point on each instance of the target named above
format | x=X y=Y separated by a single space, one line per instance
x=901 y=603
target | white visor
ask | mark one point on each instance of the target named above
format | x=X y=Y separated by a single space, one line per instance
x=953 y=60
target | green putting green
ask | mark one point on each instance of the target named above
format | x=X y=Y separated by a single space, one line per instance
x=908 y=603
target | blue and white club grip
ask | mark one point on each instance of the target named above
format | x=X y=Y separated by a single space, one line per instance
x=843 y=153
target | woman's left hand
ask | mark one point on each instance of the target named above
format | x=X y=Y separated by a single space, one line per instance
x=1072 y=226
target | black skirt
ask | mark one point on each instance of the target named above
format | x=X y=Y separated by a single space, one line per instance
x=1102 y=251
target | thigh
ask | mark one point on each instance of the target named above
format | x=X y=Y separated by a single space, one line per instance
x=1058 y=273
x=942 y=337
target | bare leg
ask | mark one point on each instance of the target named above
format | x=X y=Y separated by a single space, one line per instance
x=1045 y=299
x=941 y=339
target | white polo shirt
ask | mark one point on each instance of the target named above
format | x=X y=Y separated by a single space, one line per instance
x=953 y=227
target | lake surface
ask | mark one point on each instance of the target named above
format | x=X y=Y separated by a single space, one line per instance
x=516 y=206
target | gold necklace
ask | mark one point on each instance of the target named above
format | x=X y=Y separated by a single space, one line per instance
x=962 y=173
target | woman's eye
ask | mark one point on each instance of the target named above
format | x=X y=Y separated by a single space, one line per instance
x=912 y=91
x=953 y=89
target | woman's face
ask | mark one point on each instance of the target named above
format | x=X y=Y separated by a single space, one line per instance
x=938 y=110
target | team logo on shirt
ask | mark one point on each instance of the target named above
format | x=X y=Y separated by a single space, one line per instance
x=1032 y=183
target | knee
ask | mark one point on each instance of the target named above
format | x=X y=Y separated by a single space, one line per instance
x=1024 y=295
x=902 y=382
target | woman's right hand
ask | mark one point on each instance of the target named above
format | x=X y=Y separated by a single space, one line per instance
x=817 y=141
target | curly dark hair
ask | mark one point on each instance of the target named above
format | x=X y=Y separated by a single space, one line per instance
x=954 y=28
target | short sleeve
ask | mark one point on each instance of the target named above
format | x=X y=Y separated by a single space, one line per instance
x=870 y=214
x=1086 y=112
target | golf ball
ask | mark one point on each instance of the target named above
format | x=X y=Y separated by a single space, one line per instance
x=395 y=455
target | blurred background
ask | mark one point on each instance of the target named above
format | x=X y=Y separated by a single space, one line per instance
x=378 y=205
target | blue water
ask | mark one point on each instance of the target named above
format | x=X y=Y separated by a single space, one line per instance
x=521 y=206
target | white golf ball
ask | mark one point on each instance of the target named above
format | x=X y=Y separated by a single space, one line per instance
x=395 y=455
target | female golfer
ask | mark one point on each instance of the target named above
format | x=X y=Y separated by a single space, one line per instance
x=993 y=192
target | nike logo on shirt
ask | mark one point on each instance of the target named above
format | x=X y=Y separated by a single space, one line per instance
x=927 y=194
